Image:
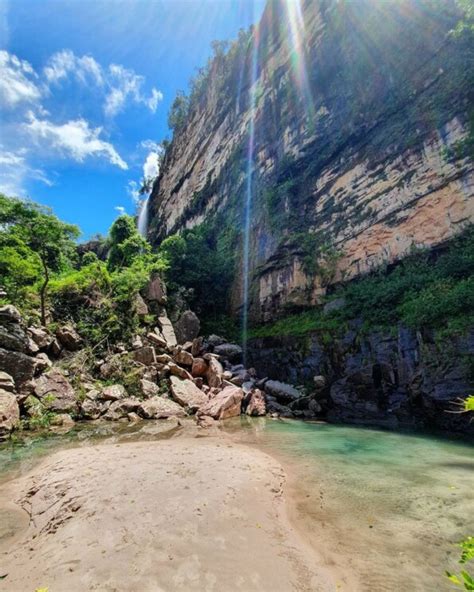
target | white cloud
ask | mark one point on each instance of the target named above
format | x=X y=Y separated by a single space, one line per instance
x=17 y=81
x=126 y=85
x=120 y=210
x=156 y=97
x=134 y=191
x=14 y=170
x=151 y=167
x=150 y=145
x=74 y=138
x=64 y=63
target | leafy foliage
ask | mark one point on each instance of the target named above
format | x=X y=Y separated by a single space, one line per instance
x=424 y=290
x=464 y=579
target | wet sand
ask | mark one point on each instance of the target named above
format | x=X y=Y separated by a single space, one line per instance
x=188 y=513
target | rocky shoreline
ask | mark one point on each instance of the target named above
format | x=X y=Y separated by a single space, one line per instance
x=50 y=379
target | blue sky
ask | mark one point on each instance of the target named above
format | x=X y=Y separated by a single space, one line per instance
x=85 y=88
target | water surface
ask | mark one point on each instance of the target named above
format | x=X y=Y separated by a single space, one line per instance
x=385 y=509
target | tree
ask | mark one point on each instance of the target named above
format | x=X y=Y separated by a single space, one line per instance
x=125 y=243
x=31 y=226
x=178 y=111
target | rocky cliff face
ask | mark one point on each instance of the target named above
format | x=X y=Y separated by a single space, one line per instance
x=360 y=113
x=399 y=378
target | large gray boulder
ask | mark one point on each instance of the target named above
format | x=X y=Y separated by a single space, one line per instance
x=9 y=413
x=20 y=366
x=113 y=392
x=159 y=408
x=283 y=393
x=187 y=327
x=231 y=351
x=225 y=404
x=9 y=314
x=187 y=394
x=55 y=392
x=13 y=337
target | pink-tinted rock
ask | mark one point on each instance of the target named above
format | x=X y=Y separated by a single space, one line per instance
x=9 y=413
x=187 y=394
x=55 y=392
x=199 y=367
x=214 y=372
x=176 y=370
x=183 y=358
x=160 y=408
x=145 y=355
x=227 y=403
x=257 y=405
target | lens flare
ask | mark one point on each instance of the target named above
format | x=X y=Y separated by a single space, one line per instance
x=249 y=192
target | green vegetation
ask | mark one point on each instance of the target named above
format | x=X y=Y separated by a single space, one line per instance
x=34 y=244
x=424 y=290
x=464 y=579
x=200 y=262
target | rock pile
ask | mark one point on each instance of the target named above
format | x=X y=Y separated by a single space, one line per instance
x=174 y=375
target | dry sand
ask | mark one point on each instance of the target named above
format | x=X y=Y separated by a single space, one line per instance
x=184 y=514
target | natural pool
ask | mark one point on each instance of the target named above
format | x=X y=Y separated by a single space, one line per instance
x=384 y=509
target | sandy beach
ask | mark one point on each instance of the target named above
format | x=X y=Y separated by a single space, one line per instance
x=188 y=513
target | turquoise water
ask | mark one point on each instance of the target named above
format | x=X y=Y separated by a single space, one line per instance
x=388 y=507
x=384 y=509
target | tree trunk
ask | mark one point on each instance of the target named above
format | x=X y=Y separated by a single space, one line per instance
x=43 y=293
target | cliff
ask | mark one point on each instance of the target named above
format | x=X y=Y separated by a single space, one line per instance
x=355 y=116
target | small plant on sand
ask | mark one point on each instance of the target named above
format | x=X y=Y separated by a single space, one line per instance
x=464 y=580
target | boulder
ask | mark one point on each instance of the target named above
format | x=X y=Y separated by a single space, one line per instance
x=176 y=370
x=227 y=403
x=183 y=358
x=167 y=330
x=63 y=420
x=41 y=337
x=6 y=382
x=148 y=388
x=55 y=392
x=155 y=292
x=157 y=339
x=214 y=340
x=283 y=393
x=9 y=413
x=256 y=405
x=319 y=382
x=42 y=363
x=141 y=306
x=90 y=409
x=196 y=347
x=137 y=342
x=13 y=337
x=205 y=421
x=121 y=408
x=9 y=315
x=114 y=392
x=230 y=351
x=164 y=358
x=187 y=394
x=145 y=355
x=187 y=327
x=18 y=365
x=160 y=408
x=55 y=348
x=31 y=347
x=69 y=338
x=214 y=372
x=199 y=367
x=93 y=394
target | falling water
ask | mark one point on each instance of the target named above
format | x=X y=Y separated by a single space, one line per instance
x=143 y=218
x=248 y=201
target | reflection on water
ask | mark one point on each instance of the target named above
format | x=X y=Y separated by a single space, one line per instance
x=388 y=507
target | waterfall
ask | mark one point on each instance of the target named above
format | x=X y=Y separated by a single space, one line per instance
x=143 y=218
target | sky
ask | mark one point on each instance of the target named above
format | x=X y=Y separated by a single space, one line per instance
x=85 y=89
